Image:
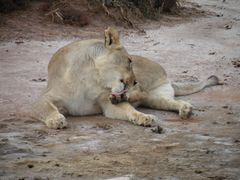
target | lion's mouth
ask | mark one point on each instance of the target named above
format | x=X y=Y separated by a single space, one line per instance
x=119 y=93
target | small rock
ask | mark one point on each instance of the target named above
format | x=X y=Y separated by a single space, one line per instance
x=103 y=126
x=229 y=112
x=211 y=53
x=2 y=126
x=228 y=26
x=4 y=140
x=217 y=177
x=19 y=42
x=21 y=178
x=210 y=152
x=39 y=80
x=198 y=171
x=192 y=45
x=39 y=178
x=30 y=166
x=236 y=141
x=219 y=15
x=156 y=43
x=170 y=146
x=231 y=122
x=142 y=32
x=226 y=75
x=236 y=63
x=158 y=130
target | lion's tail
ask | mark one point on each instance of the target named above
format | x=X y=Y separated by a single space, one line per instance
x=186 y=89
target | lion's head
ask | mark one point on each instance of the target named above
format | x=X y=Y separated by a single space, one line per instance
x=115 y=68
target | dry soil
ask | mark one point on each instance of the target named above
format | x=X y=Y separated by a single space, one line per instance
x=206 y=146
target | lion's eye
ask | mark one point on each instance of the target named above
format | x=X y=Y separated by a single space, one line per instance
x=121 y=80
x=134 y=83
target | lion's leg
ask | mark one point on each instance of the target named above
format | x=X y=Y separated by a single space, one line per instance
x=162 y=98
x=163 y=103
x=125 y=111
x=47 y=112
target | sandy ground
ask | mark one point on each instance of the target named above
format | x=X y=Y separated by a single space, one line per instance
x=207 y=146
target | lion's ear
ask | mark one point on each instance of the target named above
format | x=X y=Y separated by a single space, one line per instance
x=112 y=40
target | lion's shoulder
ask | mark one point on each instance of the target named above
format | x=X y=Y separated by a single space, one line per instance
x=80 y=51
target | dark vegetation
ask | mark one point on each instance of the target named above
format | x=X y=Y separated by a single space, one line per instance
x=75 y=12
x=12 y=5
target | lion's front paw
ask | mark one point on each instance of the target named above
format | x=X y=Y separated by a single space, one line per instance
x=115 y=99
x=57 y=121
x=185 y=110
x=141 y=119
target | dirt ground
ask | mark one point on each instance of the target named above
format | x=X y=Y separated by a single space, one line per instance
x=207 y=146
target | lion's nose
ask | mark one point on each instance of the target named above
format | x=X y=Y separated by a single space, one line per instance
x=125 y=84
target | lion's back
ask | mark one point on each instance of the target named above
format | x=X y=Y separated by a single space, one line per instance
x=71 y=53
x=74 y=57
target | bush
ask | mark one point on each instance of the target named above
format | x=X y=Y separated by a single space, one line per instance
x=12 y=5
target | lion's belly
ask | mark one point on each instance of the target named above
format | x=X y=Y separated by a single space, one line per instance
x=81 y=97
x=81 y=107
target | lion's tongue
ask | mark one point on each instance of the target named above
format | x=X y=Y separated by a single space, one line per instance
x=119 y=93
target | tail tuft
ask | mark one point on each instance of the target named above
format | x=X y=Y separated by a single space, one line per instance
x=212 y=81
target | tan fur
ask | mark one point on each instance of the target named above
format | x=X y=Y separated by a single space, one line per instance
x=82 y=80
x=89 y=77
x=156 y=91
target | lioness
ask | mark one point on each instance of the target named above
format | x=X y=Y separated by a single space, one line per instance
x=91 y=77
